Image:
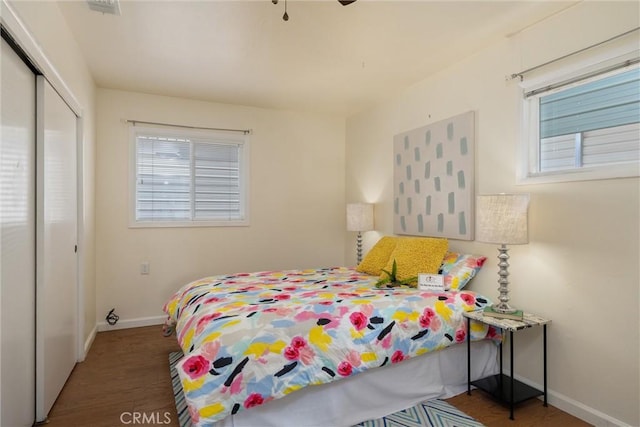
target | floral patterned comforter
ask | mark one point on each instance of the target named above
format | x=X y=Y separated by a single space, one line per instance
x=252 y=338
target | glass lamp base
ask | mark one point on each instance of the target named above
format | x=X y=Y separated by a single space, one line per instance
x=503 y=308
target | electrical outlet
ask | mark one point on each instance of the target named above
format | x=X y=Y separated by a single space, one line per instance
x=144 y=267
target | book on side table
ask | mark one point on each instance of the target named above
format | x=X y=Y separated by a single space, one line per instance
x=516 y=315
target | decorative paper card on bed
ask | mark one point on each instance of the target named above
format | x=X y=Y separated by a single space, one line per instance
x=431 y=282
x=433 y=179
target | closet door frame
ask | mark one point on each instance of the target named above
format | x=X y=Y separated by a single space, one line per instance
x=15 y=28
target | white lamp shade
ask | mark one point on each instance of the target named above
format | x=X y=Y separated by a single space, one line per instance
x=502 y=218
x=359 y=217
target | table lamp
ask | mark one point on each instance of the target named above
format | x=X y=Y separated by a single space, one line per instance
x=502 y=219
x=359 y=218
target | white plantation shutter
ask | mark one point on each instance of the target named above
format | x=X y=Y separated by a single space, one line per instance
x=217 y=181
x=163 y=183
x=182 y=178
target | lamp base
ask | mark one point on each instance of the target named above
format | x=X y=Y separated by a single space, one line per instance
x=516 y=315
x=503 y=306
x=359 y=247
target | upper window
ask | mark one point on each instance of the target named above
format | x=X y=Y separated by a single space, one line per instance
x=186 y=177
x=585 y=127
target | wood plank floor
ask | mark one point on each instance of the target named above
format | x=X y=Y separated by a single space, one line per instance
x=126 y=372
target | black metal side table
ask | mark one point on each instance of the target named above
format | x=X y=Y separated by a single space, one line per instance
x=502 y=387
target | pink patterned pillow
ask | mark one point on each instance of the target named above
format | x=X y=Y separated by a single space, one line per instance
x=459 y=269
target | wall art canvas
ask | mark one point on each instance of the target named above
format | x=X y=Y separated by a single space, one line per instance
x=434 y=179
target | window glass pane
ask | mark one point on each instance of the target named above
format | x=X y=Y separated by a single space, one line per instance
x=163 y=184
x=608 y=102
x=557 y=153
x=187 y=177
x=217 y=181
x=592 y=124
x=612 y=146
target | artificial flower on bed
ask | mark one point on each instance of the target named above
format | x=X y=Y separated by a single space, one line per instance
x=392 y=281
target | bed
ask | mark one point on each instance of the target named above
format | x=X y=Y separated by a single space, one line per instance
x=321 y=347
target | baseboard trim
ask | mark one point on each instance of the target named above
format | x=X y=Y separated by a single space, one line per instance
x=575 y=408
x=89 y=342
x=131 y=323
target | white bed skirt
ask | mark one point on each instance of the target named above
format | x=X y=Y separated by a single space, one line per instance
x=375 y=393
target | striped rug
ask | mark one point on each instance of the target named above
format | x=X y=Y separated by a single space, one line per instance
x=181 y=406
x=431 y=413
x=435 y=413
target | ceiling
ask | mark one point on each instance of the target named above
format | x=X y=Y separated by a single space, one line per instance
x=326 y=58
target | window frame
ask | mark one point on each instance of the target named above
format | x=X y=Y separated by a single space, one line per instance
x=220 y=137
x=528 y=163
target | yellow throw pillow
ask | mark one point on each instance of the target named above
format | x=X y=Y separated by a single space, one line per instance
x=414 y=255
x=377 y=257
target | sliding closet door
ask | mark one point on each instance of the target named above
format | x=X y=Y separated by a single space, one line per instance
x=56 y=336
x=17 y=244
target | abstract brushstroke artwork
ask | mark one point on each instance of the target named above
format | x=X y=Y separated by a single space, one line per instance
x=433 y=179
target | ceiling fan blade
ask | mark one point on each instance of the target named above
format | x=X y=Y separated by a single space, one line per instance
x=346 y=2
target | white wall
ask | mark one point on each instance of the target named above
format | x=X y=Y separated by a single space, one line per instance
x=49 y=29
x=297 y=209
x=581 y=266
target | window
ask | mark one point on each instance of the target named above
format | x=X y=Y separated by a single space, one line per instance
x=585 y=127
x=187 y=177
